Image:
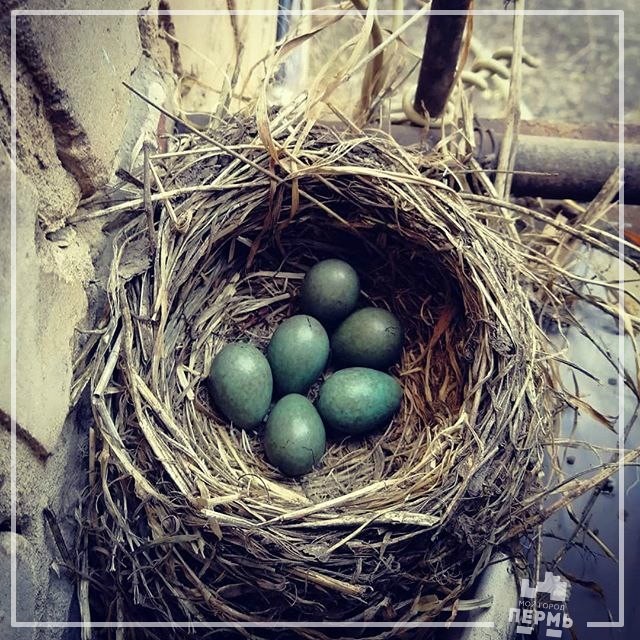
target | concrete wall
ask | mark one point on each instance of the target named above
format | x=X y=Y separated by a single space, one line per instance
x=76 y=124
x=208 y=52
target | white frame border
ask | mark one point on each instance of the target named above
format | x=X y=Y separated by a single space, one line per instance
x=13 y=351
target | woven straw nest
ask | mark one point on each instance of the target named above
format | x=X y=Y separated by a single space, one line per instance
x=391 y=527
x=185 y=521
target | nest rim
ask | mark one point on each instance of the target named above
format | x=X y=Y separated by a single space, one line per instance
x=142 y=431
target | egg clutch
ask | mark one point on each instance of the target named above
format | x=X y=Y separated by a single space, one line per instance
x=356 y=399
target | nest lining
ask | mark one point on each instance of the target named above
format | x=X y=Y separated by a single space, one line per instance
x=393 y=526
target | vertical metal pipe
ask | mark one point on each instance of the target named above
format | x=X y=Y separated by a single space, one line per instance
x=284 y=19
x=440 y=56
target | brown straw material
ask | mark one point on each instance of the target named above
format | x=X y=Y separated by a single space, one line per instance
x=197 y=522
x=185 y=520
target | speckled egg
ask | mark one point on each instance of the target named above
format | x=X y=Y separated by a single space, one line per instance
x=370 y=337
x=294 y=439
x=297 y=353
x=358 y=400
x=330 y=291
x=241 y=384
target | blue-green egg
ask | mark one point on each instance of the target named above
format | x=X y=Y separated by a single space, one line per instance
x=297 y=353
x=358 y=400
x=241 y=384
x=370 y=337
x=330 y=291
x=294 y=439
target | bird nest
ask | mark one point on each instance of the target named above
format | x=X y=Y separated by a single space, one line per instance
x=193 y=523
x=185 y=522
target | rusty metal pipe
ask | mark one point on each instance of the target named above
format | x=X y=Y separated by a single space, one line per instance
x=552 y=166
x=577 y=169
x=440 y=56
